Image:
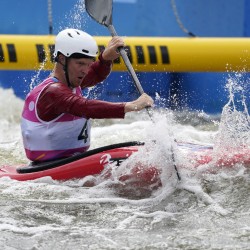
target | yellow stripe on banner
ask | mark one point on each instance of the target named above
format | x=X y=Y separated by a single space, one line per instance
x=31 y=52
x=147 y=54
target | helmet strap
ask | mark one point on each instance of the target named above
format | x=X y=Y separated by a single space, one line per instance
x=65 y=69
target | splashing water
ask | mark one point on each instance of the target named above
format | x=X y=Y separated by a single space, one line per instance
x=75 y=18
x=149 y=168
x=234 y=129
x=117 y=213
x=37 y=78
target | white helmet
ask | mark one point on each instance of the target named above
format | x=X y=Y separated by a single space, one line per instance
x=71 y=41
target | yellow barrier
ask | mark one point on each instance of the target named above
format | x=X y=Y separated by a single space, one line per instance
x=147 y=54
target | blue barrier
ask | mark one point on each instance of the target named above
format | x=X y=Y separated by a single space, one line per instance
x=205 y=92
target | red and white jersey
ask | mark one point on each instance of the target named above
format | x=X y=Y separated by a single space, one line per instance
x=63 y=136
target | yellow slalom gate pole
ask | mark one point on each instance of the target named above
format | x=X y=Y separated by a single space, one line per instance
x=147 y=54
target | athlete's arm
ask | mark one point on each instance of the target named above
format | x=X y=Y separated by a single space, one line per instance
x=98 y=72
x=57 y=98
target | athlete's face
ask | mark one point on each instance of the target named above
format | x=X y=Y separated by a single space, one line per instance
x=77 y=69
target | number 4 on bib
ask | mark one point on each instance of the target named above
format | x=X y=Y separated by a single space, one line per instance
x=84 y=133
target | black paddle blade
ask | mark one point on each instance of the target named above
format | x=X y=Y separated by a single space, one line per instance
x=100 y=10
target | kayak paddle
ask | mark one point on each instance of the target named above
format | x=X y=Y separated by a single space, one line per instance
x=101 y=12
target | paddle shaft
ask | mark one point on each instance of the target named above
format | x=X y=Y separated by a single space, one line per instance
x=127 y=62
x=137 y=84
x=129 y=66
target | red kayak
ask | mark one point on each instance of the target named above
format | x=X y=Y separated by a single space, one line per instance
x=94 y=161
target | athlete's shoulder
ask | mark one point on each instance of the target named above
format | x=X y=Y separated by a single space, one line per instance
x=57 y=87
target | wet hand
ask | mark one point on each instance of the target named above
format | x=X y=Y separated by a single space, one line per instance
x=144 y=101
x=111 y=51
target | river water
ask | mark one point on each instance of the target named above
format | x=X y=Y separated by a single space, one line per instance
x=208 y=209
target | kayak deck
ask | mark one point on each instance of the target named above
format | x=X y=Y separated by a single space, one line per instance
x=94 y=161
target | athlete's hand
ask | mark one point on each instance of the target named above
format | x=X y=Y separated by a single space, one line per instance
x=111 y=51
x=144 y=101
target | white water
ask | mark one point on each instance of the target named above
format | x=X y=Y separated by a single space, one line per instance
x=203 y=211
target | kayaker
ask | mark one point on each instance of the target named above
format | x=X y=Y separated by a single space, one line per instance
x=56 y=117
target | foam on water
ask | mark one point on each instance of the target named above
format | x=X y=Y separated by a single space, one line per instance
x=11 y=150
x=122 y=213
